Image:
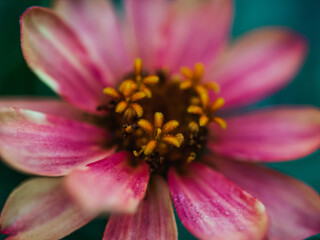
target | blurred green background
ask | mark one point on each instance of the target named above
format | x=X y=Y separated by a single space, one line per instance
x=302 y=16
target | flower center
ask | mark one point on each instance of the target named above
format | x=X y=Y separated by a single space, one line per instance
x=163 y=119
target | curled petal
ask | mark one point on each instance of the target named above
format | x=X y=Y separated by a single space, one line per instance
x=269 y=135
x=259 y=64
x=293 y=207
x=41 y=209
x=212 y=207
x=154 y=218
x=112 y=184
x=54 y=52
x=48 y=145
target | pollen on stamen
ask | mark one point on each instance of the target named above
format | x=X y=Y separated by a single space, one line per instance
x=129 y=93
x=143 y=82
x=127 y=98
x=159 y=133
x=158 y=119
x=142 y=106
x=149 y=148
x=111 y=92
x=121 y=107
x=194 y=127
x=170 y=126
x=194 y=81
x=146 y=125
x=207 y=110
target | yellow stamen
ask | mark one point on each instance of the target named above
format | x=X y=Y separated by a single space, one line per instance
x=121 y=106
x=203 y=121
x=191 y=157
x=128 y=129
x=172 y=140
x=170 y=126
x=195 y=110
x=158 y=134
x=136 y=153
x=138 y=66
x=129 y=114
x=222 y=123
x=124 y=83
x=212 y=86
x=158 y=119
x=154 y=140
x=180 y=137
x=204 y=96
x=153 y=79
x=218 y=103
x=111 y=92
x=128 y=88
x=195 y=101
x=187 y=72
x=138 y=109
x=193 y=126
x=185 y=85
x=150 y=147
x=138 y=96
x=146 y=91
x=138 y=80
x=198 y=71
x=146 y=125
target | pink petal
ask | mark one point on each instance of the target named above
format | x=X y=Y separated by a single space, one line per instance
x=259 y=64
x=154 y=218
x=46 y=105
x=212 y=207
x=272 y=134
x=96 y=24
x=112 y=184
x=54 y=52
x=147 y=18
x=40 y=209
x=47 y=145
x=195 y=32
x=293 y=207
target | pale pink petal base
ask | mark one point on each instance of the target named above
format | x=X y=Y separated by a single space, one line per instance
x=212 y=207
x=154 y=218
x=48 y=145
x=293 y=207
x=98 y=27
x=269 y=135
x=145 y=22
x=46 y=105
x=259 y=64
x=195 y=31
x=41 y=209
x=112 y=184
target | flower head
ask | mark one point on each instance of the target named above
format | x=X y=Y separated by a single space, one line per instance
x=147 y=125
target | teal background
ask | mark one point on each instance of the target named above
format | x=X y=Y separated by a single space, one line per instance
x=303 y=16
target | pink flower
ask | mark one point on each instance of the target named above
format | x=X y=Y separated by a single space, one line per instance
x=137 y=137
